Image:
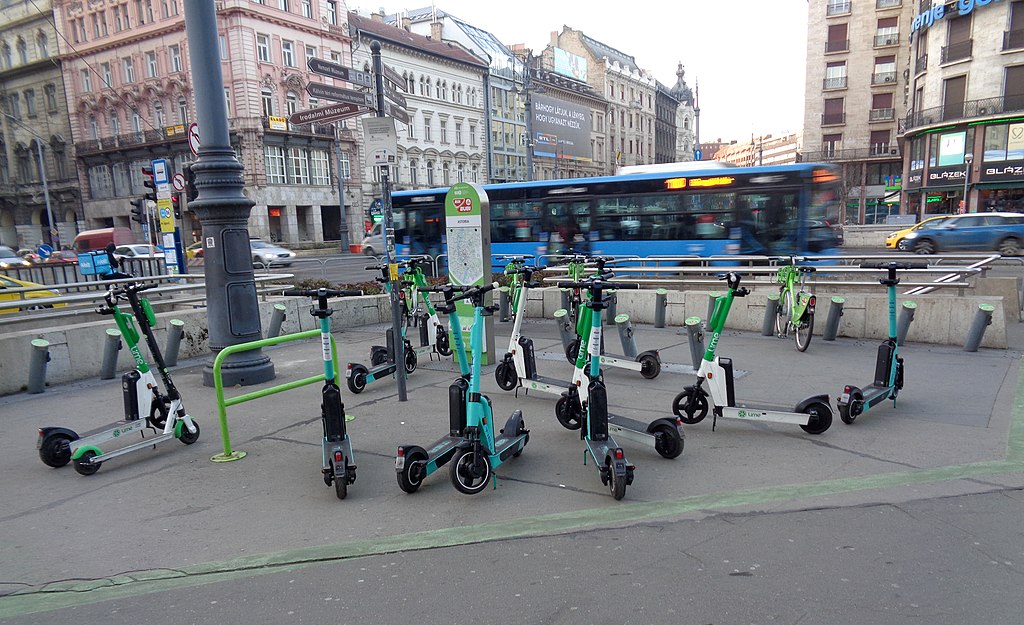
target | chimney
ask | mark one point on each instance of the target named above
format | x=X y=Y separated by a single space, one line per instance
x=378 y=17
x=436 y=29
x=406 y=22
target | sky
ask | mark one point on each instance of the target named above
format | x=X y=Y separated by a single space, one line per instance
x=746 y=56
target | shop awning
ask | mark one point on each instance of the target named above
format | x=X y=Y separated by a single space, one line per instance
x=999 y=185
x=892 y=198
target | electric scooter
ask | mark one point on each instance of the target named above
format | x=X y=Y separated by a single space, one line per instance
x=382 y=357
x=889 y=370
x=575 y=403
x=433 y=334
x=479 y=452
x=813 y=414
x=339 y=463
x=145 y=406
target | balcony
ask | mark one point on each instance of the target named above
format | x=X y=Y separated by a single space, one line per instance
x=888 y=4
x=837 y=46
x=837 y=8
x=882 y=78
x=837 y=82
x=882 y=41
x=921 y=64
x=853 y=154
x=117 y=142
x=967 y=110
x=882 y=149
x=320 y=130
x=833 y=119
x=881 y=115
x=957 y=51
x=1013 y=39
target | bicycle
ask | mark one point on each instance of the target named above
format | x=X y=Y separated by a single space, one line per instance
x=796 y=305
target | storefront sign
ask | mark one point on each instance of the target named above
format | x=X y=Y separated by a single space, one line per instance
x=914 y=180
x=1005 y=171
x=943 y=176
x=938 y=11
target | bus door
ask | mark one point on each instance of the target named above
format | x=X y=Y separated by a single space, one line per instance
x=769 y=222
x=569 y=225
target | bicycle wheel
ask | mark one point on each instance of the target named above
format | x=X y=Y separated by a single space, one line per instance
x=784 y=312
x=804 y=331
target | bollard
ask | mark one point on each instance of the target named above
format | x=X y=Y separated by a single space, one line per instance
x=174 y=334
x=567 y=333
x=712 y=296
x=564 y=298
x=276 y=319
x=982 y=319
x=626 y=336
x=37 y=365
x=903 y=324
x=696 y=340
x=110 y=349
x=771 y=310
x=503 y=303
x=613 y=303
x=835 y=311
x=660 y=307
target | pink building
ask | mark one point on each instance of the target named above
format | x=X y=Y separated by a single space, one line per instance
x=131 y=100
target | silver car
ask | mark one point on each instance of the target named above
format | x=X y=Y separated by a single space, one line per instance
x=270 y=255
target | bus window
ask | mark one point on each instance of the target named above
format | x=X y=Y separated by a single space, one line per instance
x=515 y=221
x=708 y=215
x=768 y=222
x=569 y=224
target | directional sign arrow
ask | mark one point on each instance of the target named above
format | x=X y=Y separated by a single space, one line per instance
x=393 y=95
x=326 y=68
x=330 y=113
x=397 y=112
x=393 y=76
x=338 y=94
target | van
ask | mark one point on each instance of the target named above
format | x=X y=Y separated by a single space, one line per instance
x=373 y=242
x=98 y=239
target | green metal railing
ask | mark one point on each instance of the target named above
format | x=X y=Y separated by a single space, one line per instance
x=222 y=403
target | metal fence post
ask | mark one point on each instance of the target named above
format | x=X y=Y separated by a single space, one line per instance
x=660 y=307
x=37 y=365
x=174 y=334
x=696 y=337
x=276 y=319
x=903 y=325
x=835 y=311
x=771 y=310
x=110 y=349
x=982 y=319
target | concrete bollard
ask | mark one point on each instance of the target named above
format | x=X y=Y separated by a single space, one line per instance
x=37 y=365
x=276 y=319
x=626 y=336
x=835 y=311
x=567 y=333
x=660 y=307
x=903 y=323
x=613 y=303
x=712 y=296
x=174 y=334
x=982 y=319
x=771 y=310
x=110 y=349
x=503 y=304
x=696 y=337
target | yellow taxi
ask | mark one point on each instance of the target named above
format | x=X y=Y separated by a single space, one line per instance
x=896 y=240
x=7 y=283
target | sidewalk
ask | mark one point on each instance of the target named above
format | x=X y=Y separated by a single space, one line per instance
x=172 y=514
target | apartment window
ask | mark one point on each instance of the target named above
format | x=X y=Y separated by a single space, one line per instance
x=472 y=136
x=86 y=79
x=165 y=8
x=227 y=100
x=182 y=111
x=885 y=70
x=320 y=172
x=954 y=91
x=345 y=168
x=222 y=46
x=263 y=48
x=410 y=130
x=151 y=65
x=127 y=18
x=300 y=166
x=310 y=53
x=283 y=5
x=175 y=54
x=288 y=53
x=118 y=22
x=834 y=112
x=139 y=14
x=881 y=107
x=1013 y=88
x=879 y=142
x=174 y=7
x=446 y=174
x=158 y=115
x=274 y=164
x=336 y=57
x=23 y=50
x=267 y=99
x=291 y=102
x=50 y=92
x=307 y=8
x=458 y=133
x=108 y=76
x=437 y=91
x=430 y=173
x=958 y=37
x=30 y=102
x=136 y=121
x=129 y=70
x=837 y=7
x=332 y=12
x=444 y=131
x=830 y=144
x=887 y=32
x=838 y=39
x=1014 y=37
x=115 y=123
x=426 y=128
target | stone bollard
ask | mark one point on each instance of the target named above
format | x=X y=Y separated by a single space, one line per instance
x=903 y=323
x=567 y=334
x=37 y=365
x=660 y=307
x=503 y=304
x=174 y=334
x=771 y=310
x=696 y=337
x=626 y=336
x=712 y=297
x=835 y=311
x=982 y=319
x=110 y=349
x=276 y=319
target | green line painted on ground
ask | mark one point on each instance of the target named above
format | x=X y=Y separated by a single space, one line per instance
x=65 y=595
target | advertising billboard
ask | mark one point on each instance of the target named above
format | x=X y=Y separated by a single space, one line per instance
x=571 y=65
x=561 y=129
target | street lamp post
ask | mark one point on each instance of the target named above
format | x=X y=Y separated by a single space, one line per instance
x=527 y=92
x=967 y=178
x=54 y=234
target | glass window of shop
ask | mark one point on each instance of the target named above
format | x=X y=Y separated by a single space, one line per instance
x=948 y=148
x=1004 y=142
x=917 y=153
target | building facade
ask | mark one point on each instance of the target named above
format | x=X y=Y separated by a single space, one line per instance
x=686 y=118
x=665 y=108
x=857 y=79
x=40 y=199
x=761 y=150
x=964 y=135
x=131 y=100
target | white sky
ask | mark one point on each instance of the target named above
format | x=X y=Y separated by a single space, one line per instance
x=746 y=55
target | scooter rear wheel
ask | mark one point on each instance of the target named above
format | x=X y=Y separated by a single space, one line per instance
x=356 y=381
x=410 y=478
x=410 y=360
x=470 y=472
x=650 y=367
x=667 y=441
x=849 y=411
x=340 y=487
x=616 y=483
x=821 y=417
x=691 y=405
x=56 y=450
x=505 y=375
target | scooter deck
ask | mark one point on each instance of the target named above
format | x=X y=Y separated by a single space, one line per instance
x=613 y=360
x=545 y=385
x=439 y=453
x=875 y=394
x=766 y=412
x=113 y=431
x=507 y=446
x=630 y=429
x=149 y=442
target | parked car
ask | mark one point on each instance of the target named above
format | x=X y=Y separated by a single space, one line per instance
x=7 y=283
x=62 y=257
x=98 y=239
x=10 y=259
x=1001 y=232
x=898 y=241
x=270 y=255
x=194 y=251
x=138 y=250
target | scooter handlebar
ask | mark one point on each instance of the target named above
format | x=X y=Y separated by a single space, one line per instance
x=602 y=282
x=322 y=293
x=893 y=264
x=475 y=291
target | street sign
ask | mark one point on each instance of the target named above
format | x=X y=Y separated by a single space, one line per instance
x=392 y=110
x=394 y=77
x=380 y=140
x=338 y=94
x=330 y=113
x=326 y=68
x=697 y=154
x=45 y=251
x=193 y=138
x=160 y=173
x=392 y=94
x=178 y=182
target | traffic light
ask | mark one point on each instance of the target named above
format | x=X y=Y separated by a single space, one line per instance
x=149 y=183
x=139 y=210
x=176 y=204
x=190 y=184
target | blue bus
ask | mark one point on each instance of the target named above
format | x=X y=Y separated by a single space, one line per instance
x=703 y=209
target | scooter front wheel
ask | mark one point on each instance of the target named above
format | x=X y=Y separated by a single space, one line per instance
x=573 y=350
x=569 y=413
x=410 y=360
x=505 y=375
x=471 y=471
x=691 y=405
x=443 y=345
x=187 y=437
x=83 y=465
x=650 y=367
x=821 y=417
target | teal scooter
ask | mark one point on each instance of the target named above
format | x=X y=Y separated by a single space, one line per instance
x=479 y=452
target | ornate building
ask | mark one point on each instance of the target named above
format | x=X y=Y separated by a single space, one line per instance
x=686 y=118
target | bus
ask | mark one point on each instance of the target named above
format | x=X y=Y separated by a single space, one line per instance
x=718 y=210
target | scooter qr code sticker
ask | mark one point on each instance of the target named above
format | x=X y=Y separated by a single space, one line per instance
x=594 y=346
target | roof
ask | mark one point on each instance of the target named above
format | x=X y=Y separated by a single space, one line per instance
x=601 y=49
x=404 y=38
x=500 y=56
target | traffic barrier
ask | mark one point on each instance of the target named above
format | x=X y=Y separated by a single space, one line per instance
x=37 y=365
x=835 y=312
x=907 y=311
x=771 y=310
x=276 y=319
x=175 y=331
x=660 y=307
x=696 y=337
x=626 y=335
x=111 y=346
x=982 y=319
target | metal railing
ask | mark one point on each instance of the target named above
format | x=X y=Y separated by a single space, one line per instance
x=965 y=110
x=957 y=51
